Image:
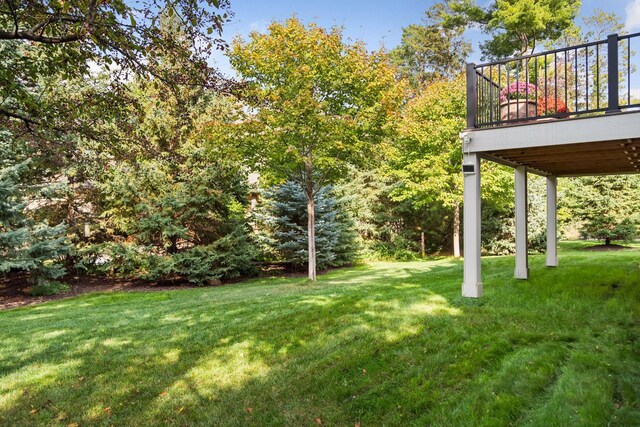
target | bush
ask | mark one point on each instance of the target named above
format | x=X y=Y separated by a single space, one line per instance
x=229 y=257
x=50 y=288
x=399 y=249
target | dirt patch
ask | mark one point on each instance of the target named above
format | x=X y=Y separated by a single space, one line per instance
x=14 y=289
x=606 y=248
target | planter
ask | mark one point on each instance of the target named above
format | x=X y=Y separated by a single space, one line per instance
x=521 y=109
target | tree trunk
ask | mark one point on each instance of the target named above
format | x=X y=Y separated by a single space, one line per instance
x=311 y=228
x=422 y=244
x=456 y=230
x=173 y=247
x=607 y=241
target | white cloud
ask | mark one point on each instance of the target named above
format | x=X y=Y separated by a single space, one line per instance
x=262 y=25
x=633 y=16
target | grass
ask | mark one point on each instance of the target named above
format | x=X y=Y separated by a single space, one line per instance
x=381 y=344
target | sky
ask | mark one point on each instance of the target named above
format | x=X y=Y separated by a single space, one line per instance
x=378 y=23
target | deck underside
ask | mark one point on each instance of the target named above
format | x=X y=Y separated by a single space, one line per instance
x=591 y=158
x=606 y=144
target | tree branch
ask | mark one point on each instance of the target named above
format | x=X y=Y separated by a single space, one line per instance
x=27 y=35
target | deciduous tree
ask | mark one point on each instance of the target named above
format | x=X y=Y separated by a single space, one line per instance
x=515 y=26
x=319 y=103
x=429 y=51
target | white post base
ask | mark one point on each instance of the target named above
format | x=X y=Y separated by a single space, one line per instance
x=472 y=290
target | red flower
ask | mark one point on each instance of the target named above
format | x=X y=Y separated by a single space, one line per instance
x=551 y=106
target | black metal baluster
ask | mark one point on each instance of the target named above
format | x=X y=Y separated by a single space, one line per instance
x=612 y=70
x=629 y=71
x=586 y=77
x=506 y=69
x=566 y=82
x=555 y=89
x=491 y=93
x=597 y=77
x=575 y=80
x=545 y=85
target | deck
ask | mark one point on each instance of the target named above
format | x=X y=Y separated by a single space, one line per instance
x=567 y=112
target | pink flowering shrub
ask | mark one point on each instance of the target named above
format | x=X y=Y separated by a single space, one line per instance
x=519 y=90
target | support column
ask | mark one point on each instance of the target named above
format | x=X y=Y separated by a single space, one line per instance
x=522 y=256
x=552 y=222
x=472 y=282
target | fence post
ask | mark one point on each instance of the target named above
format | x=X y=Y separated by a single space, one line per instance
x=472 y=101
x=612 y=70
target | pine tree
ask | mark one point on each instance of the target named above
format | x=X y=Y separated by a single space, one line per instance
x=608 y=206
x=25 y=244
x=282 y=221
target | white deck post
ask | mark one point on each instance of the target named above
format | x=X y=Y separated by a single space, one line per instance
x=552 y=222
x=522 y=256
x=472 y=281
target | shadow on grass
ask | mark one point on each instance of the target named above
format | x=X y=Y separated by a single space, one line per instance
x=389 y=344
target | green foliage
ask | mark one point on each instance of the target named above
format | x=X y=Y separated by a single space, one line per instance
x=47 y=41
x=428 y=51
x=498 y=221
x=50 y=288
x=515 y=26
x=429 y=158
x=229 y=257
x=607 y=207
x=320 y=105
x=400 y=248
x=282 y=220
x=26 y=244
x=390 y=229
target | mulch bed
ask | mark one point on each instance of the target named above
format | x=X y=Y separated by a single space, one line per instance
x=14 y=289
x=606 y=248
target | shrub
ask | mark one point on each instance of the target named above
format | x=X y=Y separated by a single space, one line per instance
x=399 y=249
x=228 y=257
x=49 y=288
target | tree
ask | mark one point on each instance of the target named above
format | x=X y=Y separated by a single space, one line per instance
x=607 y=206
x=430 y=51
x=319 y=104
x=26 y=244
x=430 y=159
x=515 y=26
x=283 y=220
x=51 y=39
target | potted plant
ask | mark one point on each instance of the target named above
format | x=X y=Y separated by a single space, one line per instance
x=518 y=101
x=552 y=107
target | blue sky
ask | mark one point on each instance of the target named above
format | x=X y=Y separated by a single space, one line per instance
x=376 y=22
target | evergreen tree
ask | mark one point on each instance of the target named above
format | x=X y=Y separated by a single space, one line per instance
x=282 y=220
x=26 y=244
x=607 y=206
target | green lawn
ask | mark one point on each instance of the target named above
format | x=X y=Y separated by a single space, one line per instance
x=382 y=344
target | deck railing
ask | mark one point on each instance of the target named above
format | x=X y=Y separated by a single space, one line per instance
x=589 y=79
